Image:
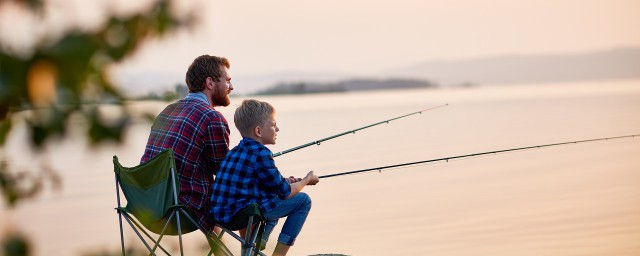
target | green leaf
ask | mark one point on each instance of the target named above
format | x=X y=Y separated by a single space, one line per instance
x=5 y=127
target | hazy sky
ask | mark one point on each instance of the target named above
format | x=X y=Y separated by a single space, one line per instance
x=367 y=36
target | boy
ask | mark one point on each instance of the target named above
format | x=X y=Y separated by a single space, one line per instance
x=248 y=175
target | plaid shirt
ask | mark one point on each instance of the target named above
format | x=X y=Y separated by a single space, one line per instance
x=247 y=175
x=199 y=137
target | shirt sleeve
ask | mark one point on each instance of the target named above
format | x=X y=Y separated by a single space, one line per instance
x=217 y=143
x=269 y=175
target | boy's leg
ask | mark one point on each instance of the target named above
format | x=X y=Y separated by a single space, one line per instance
x=296 y=210
x=268 y=228
x=281 y=250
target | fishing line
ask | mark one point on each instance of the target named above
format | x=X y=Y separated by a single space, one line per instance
x=317 y=142
x=447 y=159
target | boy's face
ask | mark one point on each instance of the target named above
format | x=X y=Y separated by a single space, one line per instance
x=269 y=131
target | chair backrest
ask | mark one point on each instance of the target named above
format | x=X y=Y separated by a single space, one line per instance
x=150 y=194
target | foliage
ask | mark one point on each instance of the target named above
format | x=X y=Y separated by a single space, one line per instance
x=21 y=185
x=64 y=74
x=15 y=245
x=67 y=75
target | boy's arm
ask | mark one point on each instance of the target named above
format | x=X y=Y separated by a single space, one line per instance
x=310 y=179
x=269 y=176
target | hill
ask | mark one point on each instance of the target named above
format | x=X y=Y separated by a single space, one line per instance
x=344 y=86
x=602 y=65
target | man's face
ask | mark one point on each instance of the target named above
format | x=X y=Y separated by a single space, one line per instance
x=222 y=89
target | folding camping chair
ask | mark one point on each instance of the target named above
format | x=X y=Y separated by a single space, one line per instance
x=152 y=190
x=251 y=219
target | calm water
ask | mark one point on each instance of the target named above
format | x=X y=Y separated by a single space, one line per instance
x=571 y=200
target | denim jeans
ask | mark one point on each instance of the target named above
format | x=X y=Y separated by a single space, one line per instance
x=296 y=210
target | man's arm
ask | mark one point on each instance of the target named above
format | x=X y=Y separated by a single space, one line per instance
x=216 y=143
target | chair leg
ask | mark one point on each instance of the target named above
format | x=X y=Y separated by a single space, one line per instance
x=254 y=231
x=260 y=231
x=121 y=233
x=218 y=247
x=248 y=244
x=138 y=233
x=119 y=212
x=179 y=232
x=157 y=243
x=132 y=223
x=256 y=239
x=252 y=240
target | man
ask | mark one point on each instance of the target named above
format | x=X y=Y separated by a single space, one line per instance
x=197 y=133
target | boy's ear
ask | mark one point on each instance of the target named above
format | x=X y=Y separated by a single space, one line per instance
x=257 y=131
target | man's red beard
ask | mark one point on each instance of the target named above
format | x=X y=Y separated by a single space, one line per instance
x=221 y=99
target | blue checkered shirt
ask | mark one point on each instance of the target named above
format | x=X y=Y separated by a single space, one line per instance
x=247 y=175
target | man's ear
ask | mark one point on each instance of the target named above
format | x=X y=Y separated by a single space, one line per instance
x=209 y=83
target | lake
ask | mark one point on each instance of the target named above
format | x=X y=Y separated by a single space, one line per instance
x=581 y=199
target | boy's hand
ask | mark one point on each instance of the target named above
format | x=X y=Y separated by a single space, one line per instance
x=293 y=179
x=312 y=178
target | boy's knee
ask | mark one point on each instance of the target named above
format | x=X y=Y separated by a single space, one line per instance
x=305 y=199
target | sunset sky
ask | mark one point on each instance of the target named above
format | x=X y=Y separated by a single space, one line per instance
x=361 y=36
x=365 y=36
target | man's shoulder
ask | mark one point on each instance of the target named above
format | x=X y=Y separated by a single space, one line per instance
x=196 y=109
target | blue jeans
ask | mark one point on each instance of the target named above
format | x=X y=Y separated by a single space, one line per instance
x=296 y=210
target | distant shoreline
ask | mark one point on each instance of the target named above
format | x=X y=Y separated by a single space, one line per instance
x=344 y=86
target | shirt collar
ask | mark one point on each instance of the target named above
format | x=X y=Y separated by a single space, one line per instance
x=198 y=96
x=249 y=141
x=253 y=143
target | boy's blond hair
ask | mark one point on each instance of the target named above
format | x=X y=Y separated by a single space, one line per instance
x=250 y=114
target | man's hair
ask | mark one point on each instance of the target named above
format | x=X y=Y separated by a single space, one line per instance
x=203 y=67
x=250 y=114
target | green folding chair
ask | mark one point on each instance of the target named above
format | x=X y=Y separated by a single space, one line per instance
x=151 y=190
x=249 y=218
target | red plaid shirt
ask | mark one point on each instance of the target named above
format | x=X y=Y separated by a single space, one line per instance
x=199 y=137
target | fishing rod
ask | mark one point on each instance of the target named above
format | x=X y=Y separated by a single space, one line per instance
x=472 y=155
x=317 y=142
